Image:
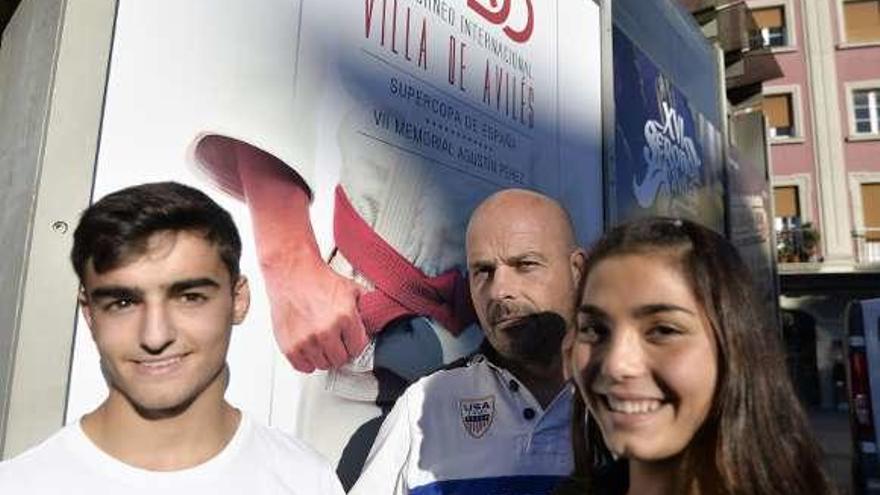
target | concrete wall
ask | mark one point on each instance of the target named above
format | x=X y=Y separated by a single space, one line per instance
x=27 y=56
x=53 y=66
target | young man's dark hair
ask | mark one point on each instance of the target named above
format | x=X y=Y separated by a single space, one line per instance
x=119 y=225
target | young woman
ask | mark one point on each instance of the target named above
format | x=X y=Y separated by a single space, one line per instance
x=686 y=386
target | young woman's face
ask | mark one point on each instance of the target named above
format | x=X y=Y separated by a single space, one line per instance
x=643 y=356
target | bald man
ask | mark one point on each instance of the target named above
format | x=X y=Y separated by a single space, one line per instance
x=498 y=421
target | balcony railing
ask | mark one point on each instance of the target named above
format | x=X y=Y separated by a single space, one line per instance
x=866 y=246
x=796 y=243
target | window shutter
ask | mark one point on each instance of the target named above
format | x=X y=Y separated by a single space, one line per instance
x=777 y=109
x=772 y=17
x=871 y=210
x=785 y=201
x=862 y=20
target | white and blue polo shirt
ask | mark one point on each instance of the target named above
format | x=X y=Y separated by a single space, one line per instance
x=470 y=430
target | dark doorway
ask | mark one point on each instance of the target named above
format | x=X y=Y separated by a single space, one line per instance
x=799 y=334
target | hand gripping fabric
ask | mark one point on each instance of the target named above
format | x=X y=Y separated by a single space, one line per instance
x=401 y=288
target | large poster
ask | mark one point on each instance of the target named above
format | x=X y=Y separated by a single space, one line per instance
x=667 y=157
x=415 y=110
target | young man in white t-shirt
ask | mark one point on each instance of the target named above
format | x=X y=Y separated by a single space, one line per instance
x=161 y=290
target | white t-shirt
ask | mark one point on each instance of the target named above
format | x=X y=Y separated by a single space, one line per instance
x=258 y=460
x=471 y=430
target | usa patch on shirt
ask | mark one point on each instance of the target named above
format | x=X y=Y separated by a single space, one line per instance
x=477 y=415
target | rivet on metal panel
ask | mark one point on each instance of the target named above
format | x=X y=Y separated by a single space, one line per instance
x=59 y=227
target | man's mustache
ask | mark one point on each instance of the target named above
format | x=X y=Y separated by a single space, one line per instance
x=546 y=323
x=498 y=311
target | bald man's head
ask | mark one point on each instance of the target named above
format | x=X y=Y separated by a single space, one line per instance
x=515 y=205
x=523 y=264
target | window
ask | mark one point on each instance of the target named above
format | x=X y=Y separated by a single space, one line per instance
x=865 y=195
x=770 y=24
x=778 y=110
x=786 y=202
x=797 y=240
x=871 y=211
x=866 y=110
x=861 y=20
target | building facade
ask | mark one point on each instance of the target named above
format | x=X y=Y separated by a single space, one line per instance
x=823 y=123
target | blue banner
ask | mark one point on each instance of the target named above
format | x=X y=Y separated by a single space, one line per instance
x=667 y=154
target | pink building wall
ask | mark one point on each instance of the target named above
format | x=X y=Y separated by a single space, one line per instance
x=796 y=156
x=855 y=63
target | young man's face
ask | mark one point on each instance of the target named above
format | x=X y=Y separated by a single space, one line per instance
x=162 y=321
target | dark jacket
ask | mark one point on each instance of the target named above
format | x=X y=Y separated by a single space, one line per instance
x=609 y=480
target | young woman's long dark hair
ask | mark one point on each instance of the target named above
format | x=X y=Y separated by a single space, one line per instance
x=756 y=438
